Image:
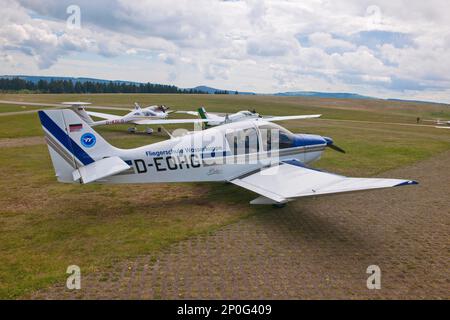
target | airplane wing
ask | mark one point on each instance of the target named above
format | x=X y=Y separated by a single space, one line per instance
x=212 y=115
x=292 y=179
x=192 y=113
x=283 y=118
x=106 y=116
x=168 y=121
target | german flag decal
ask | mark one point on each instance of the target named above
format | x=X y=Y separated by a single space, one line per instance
x=75 y=127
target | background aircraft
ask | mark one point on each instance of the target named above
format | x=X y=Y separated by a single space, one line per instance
x=441 y=124
x=214 y=119
x=153 y=115
x=243 y=153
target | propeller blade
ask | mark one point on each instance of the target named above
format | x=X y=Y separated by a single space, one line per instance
x=330 y=143
x=336 y=148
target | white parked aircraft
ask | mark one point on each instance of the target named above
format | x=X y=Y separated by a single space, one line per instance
x=153 y=115
x=441 y=124
x=214 y=119
x=257 y=155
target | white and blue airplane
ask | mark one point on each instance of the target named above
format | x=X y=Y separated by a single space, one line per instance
x=256 y=155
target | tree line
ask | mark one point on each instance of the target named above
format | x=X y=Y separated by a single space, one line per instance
x=69 y=86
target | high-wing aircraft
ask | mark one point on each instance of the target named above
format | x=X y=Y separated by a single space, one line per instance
x=214 y=119
x=256 y=155
x=153 y=115
x=441 y=124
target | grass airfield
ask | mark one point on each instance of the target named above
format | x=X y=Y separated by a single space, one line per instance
x=46 y=226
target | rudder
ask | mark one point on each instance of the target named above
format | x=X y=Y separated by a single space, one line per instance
x=72 y=143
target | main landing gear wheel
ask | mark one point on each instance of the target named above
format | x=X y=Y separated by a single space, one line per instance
x=131 y=130
x=279 y=205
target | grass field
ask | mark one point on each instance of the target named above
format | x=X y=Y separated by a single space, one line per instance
x=370 y=110
x=16 y=108
x=46 y=226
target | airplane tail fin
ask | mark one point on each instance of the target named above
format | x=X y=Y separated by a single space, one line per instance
x=75 y=148
x=81 y=112
x=202 y=112
x=78 y=108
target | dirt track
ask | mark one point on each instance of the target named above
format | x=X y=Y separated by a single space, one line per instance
x=314 y=248
x=21 y=142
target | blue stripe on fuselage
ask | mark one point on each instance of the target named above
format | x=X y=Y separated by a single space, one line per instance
x=64 y=139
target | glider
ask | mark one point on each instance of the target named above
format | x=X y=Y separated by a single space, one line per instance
x=153 y=115
x=255 y=154
x=214 y=119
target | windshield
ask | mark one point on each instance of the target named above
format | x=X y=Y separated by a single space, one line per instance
x=275 y=137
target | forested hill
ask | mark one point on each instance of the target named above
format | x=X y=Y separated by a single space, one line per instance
x=16 y=84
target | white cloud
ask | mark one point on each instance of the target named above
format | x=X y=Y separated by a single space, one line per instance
x=326 y=40
x=271 y=46
x=374 y=46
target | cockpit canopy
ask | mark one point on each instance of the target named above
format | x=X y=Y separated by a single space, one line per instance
x=257 y=136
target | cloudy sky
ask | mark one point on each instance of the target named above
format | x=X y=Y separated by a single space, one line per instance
x=385 y=48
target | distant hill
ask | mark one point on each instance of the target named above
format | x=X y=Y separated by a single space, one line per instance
x=84 y=85
x=211 y=90
x=416 y=101
x=35 y=79
x=332 y=95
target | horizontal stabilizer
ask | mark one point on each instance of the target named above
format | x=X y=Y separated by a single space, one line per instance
x=100 y=169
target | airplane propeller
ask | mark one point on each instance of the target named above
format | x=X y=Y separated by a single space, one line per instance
x=331 y=145
x=136 y=106
x=256 y=113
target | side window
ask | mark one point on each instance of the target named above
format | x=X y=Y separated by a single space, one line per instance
x=243 y=141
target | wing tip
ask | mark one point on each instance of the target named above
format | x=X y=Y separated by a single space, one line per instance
x=407 y=183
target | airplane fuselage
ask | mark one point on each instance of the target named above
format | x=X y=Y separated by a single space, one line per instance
x=235 y=117
x=184 y=159
x=132 y=117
